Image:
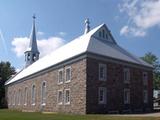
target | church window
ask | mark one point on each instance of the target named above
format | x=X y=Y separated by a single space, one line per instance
x=106 y=36
x=60 y=97
x=126 y=73
x=19 y=97
x=60 y=76
x=67 y=96
x=14 y=98
x=33 y=94
x=43 y=99
x=100 y=34
x=145 y=78
x=68 y=74
x=126 y=96
x=25 y=95
x=103 y=33
x=102 y=72
x=102 y=93
x=145 y=96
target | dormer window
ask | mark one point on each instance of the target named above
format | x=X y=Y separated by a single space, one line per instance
x=106 y=36
x=100 y=34
x=103 y=33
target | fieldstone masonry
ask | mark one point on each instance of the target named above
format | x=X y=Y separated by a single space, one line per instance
x=83 y=87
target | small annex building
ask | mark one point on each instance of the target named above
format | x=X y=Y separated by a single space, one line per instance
x=90 y=74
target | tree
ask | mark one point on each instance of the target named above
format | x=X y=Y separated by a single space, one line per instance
x=153 y=60
x=6 y=71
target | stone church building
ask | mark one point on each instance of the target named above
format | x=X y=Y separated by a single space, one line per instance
x=90 y=74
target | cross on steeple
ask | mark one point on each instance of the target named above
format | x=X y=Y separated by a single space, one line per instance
x=32 y=53
x=87 y=26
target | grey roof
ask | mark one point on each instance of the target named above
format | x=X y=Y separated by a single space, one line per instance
x=98 y=41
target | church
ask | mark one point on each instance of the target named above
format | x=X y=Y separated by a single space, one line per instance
x=90 y=74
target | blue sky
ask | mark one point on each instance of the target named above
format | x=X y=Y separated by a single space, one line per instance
x=134 y=24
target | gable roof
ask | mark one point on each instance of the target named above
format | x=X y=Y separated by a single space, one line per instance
x=90 y=42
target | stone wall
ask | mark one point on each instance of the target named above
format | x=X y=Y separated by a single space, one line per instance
x=77 y=88
x=115 y=88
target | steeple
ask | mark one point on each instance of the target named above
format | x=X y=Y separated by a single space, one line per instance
x=87 y=27
x=32 y=53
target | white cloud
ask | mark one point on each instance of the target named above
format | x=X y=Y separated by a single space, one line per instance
x=40 y=33
x=124 y=30
x=45 y=46
x=142 y=15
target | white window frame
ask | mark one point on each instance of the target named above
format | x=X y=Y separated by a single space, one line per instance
x=14 y=98
x=104 y=96
x=58 y=101
x=19 y=96
x=104 y=78
x=126 y=74
x=33 y=95
x=67 y=81
x=43 y=93
x=9 y=94
x=67 y=102
x=145 y=96
x=145 y=78
x=25 y=95
x=127 y=98
x=60 y=70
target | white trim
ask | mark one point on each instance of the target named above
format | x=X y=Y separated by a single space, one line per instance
x=43 y=98
x=104 y=96
x=126 y=75
x=67 y=103
x=60 y=70
x=67 y=81
x=59 y=103
x=126 y=98
x=104 y=78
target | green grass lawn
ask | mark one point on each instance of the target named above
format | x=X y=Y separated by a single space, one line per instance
x=15 y=115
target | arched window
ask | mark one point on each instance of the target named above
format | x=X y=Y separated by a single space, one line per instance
x=25 y=95
x=33 y=94
x=43 y=96
x=14 y=98
x=19 y=96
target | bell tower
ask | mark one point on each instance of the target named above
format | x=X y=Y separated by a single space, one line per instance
x=32 y=53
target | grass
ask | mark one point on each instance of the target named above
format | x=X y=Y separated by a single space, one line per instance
x=15 y=115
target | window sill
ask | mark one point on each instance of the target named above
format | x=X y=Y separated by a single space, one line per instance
x=33 y=104
x=43 y=104
x=60 y=83
x=102 y=103
x=68 y=81
x=60 y=103
x=67 y=103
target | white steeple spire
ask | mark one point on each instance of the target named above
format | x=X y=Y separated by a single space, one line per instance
x=32 y=53
x=87 y=27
